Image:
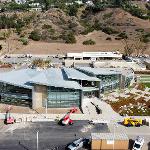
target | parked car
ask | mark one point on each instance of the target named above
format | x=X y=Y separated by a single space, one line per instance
x=81 y=142
x=138 y=143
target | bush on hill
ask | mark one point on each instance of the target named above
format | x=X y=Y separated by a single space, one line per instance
x=34 y=35
x=89 y=42
x=109 y=30
x=69 y=38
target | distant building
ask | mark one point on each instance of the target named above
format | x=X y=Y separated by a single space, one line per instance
x=94 y=55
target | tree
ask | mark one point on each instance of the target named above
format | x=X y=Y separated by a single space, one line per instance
x=117 y=2
x=69 y=38
x=34 y=35
x=128 y=48
x=72 y=10
x=46 y=4
x=61 y=4
x=99 y=6
x=139 y=47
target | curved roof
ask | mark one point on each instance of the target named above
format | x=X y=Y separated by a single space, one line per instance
x=77 y=75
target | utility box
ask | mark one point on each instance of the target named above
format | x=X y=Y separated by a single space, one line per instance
x=109 y=141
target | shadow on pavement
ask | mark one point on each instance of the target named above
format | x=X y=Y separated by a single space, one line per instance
x=148 y=146
x=26 y=148
x=131 y=142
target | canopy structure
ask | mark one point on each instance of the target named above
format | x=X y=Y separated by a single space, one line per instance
x=100 y=71
x=77 y=75
x=18 y=77
x=54 y=77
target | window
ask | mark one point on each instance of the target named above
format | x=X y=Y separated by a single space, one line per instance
x=60 y=97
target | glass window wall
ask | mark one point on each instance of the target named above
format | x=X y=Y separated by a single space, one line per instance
x=14 y=95
x=62 y=98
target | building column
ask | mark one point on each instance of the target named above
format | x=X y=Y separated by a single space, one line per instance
x=38 y=95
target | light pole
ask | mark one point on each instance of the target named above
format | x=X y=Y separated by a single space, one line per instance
x=46 y=107
x=115 y=125
x=37 y=140
x=114 y=137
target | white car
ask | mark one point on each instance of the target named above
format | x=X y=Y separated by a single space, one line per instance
x=138 y=143
x=77 y=144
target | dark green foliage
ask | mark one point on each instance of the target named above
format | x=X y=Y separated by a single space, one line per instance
x=108 y=15
x=108 y=38
x=46 y=26
x=69 y=37
x=7 y=22
x=145 y=38
x=139 y=30
x=123 y=35
x=109 y=30
x=72 y=10
x=89 y=42
x=97 y=25
x=99 y=6
x=34 y=35
x=136 y=11
x=14 y=6
x=88 y=27
x=24 y=41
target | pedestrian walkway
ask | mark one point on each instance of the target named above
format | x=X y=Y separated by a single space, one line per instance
x=89 y=108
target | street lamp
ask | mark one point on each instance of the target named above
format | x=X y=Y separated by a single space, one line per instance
x=114 y=130
x=46 y=107
x=37 y=140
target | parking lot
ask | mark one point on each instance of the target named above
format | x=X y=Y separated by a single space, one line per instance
x=51 y=135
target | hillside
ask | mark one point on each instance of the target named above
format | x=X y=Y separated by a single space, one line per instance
x=52 y=31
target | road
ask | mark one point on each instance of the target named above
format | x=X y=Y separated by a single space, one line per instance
x=51 y=135
x=22 y=136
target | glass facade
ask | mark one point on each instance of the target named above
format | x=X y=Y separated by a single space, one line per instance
x=128 y=81
x=14 y=95
x=62 y=98
x=109 y=82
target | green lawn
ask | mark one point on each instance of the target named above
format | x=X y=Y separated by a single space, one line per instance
x=147 y=84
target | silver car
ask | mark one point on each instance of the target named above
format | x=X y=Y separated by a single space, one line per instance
x=77 y=144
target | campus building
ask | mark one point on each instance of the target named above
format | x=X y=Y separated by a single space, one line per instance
x=94 y=55
x=59 y=87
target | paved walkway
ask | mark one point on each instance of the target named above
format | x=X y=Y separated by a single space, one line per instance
x=107 y=112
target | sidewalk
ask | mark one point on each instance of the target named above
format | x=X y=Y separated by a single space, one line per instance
x=107 y=112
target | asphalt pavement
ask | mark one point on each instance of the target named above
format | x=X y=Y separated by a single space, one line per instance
x=51 y=136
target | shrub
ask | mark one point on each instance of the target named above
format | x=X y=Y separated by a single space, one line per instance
x=50 y=30
x=109 y=30
x=123 y=35
x=34 y=35
x=46 y=26
x=88 y=27
x=108 y=38
x=108 y=15
x=24 y=40
x=97 y=26
x=145 y=38
x=69 y=38
x=72 y=10
x=89 y=42
x=139 y=30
